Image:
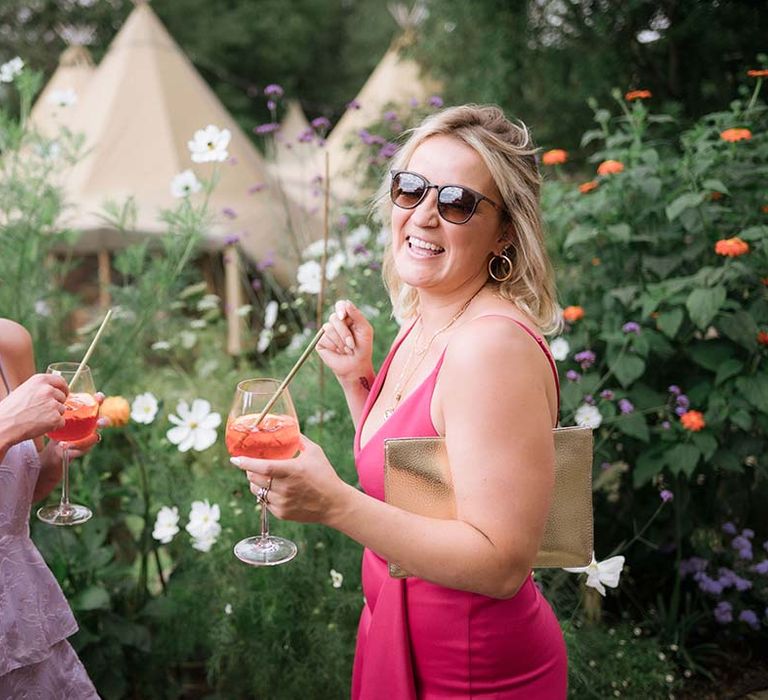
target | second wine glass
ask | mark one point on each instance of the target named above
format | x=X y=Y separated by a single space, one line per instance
x=277 y=436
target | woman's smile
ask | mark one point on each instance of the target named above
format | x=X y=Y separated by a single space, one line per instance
x=421 y=248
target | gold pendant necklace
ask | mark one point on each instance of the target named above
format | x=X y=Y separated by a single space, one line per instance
x=402 y=380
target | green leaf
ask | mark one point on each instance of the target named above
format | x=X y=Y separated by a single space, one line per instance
x=703 y=304
x=714 y=185
x=619 y=232
x=648 y=465
x=634 y=425
x=661 y=266
x=683 y=202
x=710 y=354
x=669 y=322
x=740 y=327
x=683 y=458
x=754 y=233
x=627 y=368
x=706 y=442
x=755 y=390
x=729 y=368
x=92 y=598
x=580 y=234
x=651 y=186
x=742 y=419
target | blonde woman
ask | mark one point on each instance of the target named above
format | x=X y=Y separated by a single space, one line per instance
x=468 y=270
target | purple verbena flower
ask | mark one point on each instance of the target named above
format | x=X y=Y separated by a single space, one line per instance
x=229 y=212
x=353 y=104
x=680 y=410
x=683 y=401
x=666 y=425
x=388 y=150
x=274 y=90
x=256 y=285
x=271 y=105
x=605 y=465
x=728 y=528
x=320 y=123
x=572 y=375
x=666 y=495
x=742 y=584
x=258 y=187
x=390 y=116
x=693 y=565
x=710 y=585
x=343 y=221
x=750 y=618
x=606 y=394
x=761 y=568
x=231 y=239
x=724 y=612
x=631 y=327
x=266 y=262
x=268 y=128
x=746 y=554
x=306 y=136
x=748 y=533
x=435 y=101
x=413 y=102
x=588 y=398
x=626 y=406
x=674 y=389
x=741 y=542
x=586 y=358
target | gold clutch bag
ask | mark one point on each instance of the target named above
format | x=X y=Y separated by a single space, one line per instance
x=417 y=478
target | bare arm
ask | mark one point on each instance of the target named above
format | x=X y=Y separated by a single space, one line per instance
x=502 y=460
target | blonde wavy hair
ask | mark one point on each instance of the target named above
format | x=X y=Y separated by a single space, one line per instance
x=508 y=152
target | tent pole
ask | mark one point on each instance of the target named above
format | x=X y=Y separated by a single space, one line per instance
x=105 y=279
x=233 y=299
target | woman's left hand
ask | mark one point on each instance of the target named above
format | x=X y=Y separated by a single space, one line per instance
x=305 y=489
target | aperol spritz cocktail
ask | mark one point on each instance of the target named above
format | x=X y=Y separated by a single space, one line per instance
x=81 y=411
x=275 y=436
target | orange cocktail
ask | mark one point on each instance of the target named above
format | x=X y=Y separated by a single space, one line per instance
x=276 y=437
x=81 y=411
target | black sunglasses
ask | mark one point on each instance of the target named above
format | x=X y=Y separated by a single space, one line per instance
x=455 y=203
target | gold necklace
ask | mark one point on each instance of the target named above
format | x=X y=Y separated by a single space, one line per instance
x=402 y=380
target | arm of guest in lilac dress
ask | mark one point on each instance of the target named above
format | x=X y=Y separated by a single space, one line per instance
x=347 y=349
x=498 y=404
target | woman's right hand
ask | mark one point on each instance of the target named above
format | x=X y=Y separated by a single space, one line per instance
x=34 y=408
x=347 y=344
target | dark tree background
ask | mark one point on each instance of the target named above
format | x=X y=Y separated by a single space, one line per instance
x=539 y=59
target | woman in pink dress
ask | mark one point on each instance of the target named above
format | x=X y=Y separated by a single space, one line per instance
x=36 y=660
x=468 y=271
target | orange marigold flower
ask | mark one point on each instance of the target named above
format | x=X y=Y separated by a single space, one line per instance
x=693 y=421
x=733 y=135
x=610 y=167
x=117 y=409
x=762 y=337
x=557 y=156
x=585 y=187
x=731 y=247
x=573 y=313
x=637 y=95
x=758 y=73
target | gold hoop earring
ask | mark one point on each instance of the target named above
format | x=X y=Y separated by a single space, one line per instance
x=505 y=262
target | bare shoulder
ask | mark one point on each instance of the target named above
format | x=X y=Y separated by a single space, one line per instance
x=15 y=340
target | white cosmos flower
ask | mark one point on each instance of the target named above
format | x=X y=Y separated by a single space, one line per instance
x=42 y=308
x=144 y=408
x=244 y=310
x=314 y=419
x=9 y=70
x=315 y=249
x=203 y=525
x=383 y=237
x=197 y=323
x=299 y=340
x=308 y=277
x=63 y=98
x=601 y=573
x=185 y=184
x=357 y=236
x=166 y=524
x=228 y=609
x=270 y=314
x=560 y=349
x=195 y=426
x=588 y=416
x=208 y=302
x=209 y=144
x=336 y=578
x=334 y=264
x=161 y=345
x=265 y=338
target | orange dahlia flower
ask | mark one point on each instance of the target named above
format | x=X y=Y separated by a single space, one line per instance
x=733 y=135
x=585 y=187
x=610 y=167
x=731 y=247
x=693 y=421
x=557 y=156
x=637 y=95
x=758 y=73
x=117 y=409
x=762 y=337
x=573 y=313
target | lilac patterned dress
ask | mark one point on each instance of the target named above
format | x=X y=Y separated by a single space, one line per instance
x=36 y=661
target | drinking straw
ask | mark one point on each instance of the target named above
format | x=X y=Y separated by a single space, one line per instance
x=90 y=349
x=291 y=374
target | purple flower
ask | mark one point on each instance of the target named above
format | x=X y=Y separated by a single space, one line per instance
x=666 y=495
x=320 y=123
x=680 y=410
x=586 y=358
x=729 y=528
x=605 y=465
x=360 y=249
x=741 y=542
x=353 y=104
x=762 y=567
x=626 y=406
x=631 y=327
x=374 y=265
x=435 y=101
x=271 y=105
x=606 y=394
x=745 y=554
x=666 y=425
x=229 y=212
x=390 y=116
x=724 y=612
x=750 y=618
x=683 y=401
x=267 y=262
x=231 y=239
x=572 y=375
x=694 y=565
x=273 y=90
x=388 y=150
x=306 y=136
x=749 y=534
x=674 y=389
x=589 y=399
x=268 y=128
x=709 y=585
x=256 y=284
x=258 y=187
x=343 y=221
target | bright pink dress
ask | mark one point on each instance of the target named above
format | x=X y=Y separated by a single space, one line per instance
x=419 y=640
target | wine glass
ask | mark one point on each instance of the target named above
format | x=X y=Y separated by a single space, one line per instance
x=81 y=411
x=275 y=437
